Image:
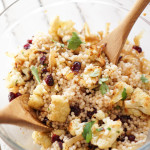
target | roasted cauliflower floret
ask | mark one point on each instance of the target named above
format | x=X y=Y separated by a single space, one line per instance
x=59 y=108
x=100 y=115
x=58 y=132
x=41 y=139
x=105 y=138
x=36 y=99
x=61 y=29
x=14 y=78
x=90 y=76
x=76 y=127
x=119 y=87
x=139 y=101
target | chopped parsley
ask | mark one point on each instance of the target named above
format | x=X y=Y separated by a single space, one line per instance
x=16 y=82
x=104 y=87
x=35 y=73
x=144 y=79
x=109 y=128
x=124 y=94
x=44 y=64
x=100 y=129
x=95 y=73
x=87 y=132
x=74 y=42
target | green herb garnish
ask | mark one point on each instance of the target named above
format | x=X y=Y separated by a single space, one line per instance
x=95 y=73
x=144 y=79
x=87 y=132
x=100 y=129
x=74 y=42
x=102 y=80
x=16 y=82
x=35 y=73
x=104 y=87
x=118 y=131
x=109 y=128
x=44 y=64
x=124 y=94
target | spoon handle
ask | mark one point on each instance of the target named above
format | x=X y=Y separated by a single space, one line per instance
x=133 y=15
x=18 y=113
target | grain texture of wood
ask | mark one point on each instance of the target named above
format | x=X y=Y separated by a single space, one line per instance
x=19 y=113
x=117 y=38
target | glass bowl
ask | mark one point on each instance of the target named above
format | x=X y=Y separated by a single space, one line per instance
x=24 y=18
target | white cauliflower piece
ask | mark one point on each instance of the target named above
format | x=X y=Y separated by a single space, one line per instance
x=14 y=78
x=59 y=108
x=134 y=112
x=41 y=139
x=100 y=115
x=105 y=138
x=58 y=132
x=87 y=80
x=139 y=101
x=76 y=127
x=39 y=90
x=61 y=29
x=119 y=87
x=36 y=100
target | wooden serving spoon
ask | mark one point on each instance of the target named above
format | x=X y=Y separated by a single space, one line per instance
x=19 y=113
x=117 y=38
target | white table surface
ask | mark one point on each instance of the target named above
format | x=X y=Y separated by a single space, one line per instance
x=4 y=4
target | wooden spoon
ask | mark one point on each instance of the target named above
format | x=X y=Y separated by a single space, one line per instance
x=117 y=38
x=19 y=113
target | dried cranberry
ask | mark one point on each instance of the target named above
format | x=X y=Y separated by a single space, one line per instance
x=125 y=129
x=121 y=138
x=18 y=94
x=90 y=113
x=123 y=118
x=76 y=66
x=26 y=46
x=42 y=59
x=60 y=145
x=45 y=120
x=76 y=110
x=11 y=96
x=44 y=70
x=56 y=138
x=120 y=57
x=137 y=48
x=131 y=137
x=100 y=122
x=91 y=147
x=49 y=80
x=29 y=41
